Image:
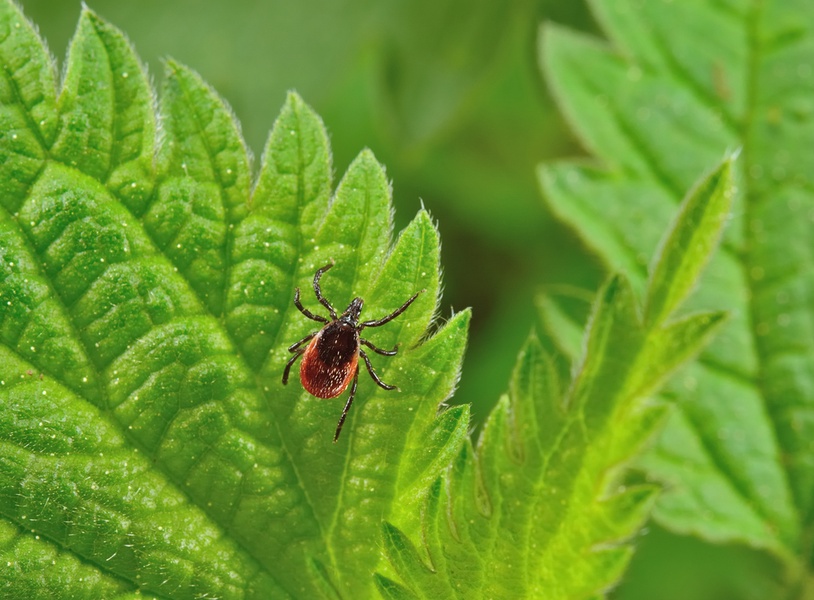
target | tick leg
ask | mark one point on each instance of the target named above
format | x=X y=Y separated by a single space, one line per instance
x=307 y=338
x=289 y=363
x=391 y=316
x=318 y=290
x=379 y=350
x=347 y=405
x=375 y=377
x=304 y=310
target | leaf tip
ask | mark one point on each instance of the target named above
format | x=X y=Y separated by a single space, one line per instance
x=174 y=68
x=171 y=66
x=88 y=15
x=723 y=175
x=368 y=158
x=463 y=318
x=392 y=535
x=293 y=97
x=295 y=103
x=85 y=11
x=423 y=217
x=365 y=168
x=458 y=416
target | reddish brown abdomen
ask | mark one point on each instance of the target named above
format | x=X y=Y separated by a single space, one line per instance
x=329 y=362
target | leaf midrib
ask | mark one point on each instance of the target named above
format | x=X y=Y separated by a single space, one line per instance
x=228 y=212
x=742 y=130
x=751 y=198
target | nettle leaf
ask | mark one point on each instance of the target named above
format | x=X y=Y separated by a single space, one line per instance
x=677 y=85
x=147 y=445
x=539 y=509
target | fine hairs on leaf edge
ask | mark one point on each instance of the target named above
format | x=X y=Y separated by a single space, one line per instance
x=171 y=65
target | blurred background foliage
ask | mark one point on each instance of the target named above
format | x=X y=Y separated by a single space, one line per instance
x=449 y=96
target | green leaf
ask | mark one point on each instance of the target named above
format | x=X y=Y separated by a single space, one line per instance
x=540 y=508
x=678 y=85
x=685 y=251
x=147 y=444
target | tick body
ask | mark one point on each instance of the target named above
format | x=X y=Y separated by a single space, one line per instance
x=330 y=356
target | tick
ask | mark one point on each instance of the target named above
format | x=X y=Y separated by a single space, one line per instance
x=330 y=356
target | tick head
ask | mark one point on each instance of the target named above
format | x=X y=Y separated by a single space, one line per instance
x=353 y=312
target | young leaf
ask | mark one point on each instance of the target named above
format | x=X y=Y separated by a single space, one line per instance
x=147 y=443
x=538 y=509
x=691 y=239
x=679 y=84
